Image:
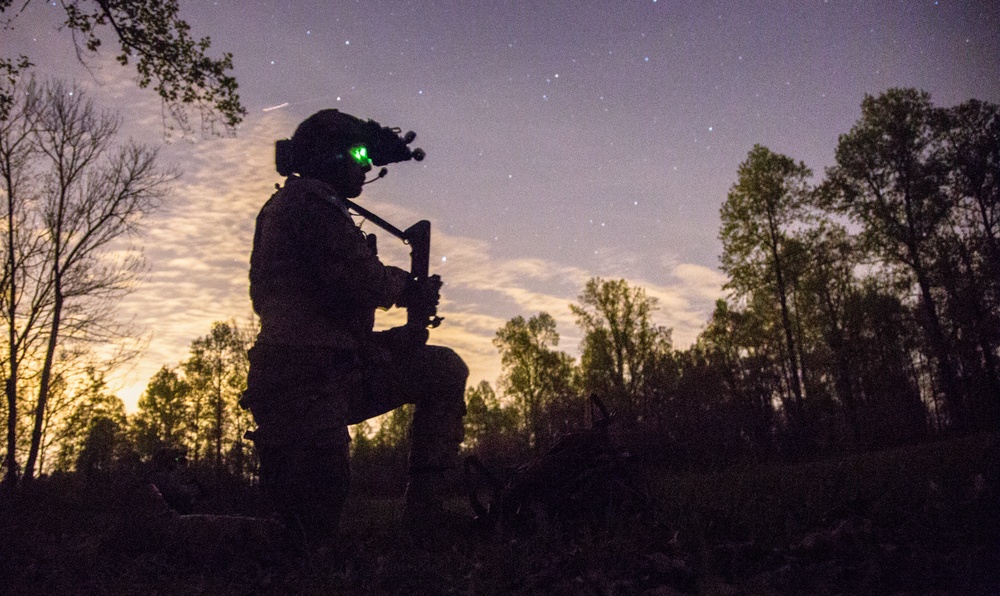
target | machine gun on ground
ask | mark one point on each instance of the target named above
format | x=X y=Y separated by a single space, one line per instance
x=581 y=479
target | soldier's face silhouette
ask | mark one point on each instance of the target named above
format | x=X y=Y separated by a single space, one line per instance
x=346 y=171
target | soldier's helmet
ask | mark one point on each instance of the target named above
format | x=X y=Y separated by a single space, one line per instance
x=331 y=135
x=323 y=134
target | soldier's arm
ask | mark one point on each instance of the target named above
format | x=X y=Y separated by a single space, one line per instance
x=345 y=265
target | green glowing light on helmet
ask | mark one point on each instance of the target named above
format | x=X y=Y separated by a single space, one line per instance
x=360 y=155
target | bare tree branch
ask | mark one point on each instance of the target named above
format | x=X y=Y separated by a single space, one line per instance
x=70 y=234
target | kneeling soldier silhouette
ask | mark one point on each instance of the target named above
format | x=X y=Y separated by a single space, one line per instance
x=317 y=365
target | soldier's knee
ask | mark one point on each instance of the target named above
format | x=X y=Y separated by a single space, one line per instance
x=456 y=371
x=453 y=364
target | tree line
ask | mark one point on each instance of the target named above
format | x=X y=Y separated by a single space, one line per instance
x=863 y=311
x=191 y=407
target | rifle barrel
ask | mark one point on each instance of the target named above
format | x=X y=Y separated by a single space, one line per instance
x=388 y=227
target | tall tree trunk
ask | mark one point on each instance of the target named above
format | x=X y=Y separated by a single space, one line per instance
x=218 y=426
x=786 y=324
x=10 y=389
x=10 y=461
x=44 y=383
x=53 y=340
x=939 y=346
x=845 y=389
x=10 y=384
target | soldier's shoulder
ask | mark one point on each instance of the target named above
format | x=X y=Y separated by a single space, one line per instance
x=306 y=187
x=302 y=193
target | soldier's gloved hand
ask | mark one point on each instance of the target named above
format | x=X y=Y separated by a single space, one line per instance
x=421 y=293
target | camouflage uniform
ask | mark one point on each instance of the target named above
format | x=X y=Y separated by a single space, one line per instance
x=317 y=366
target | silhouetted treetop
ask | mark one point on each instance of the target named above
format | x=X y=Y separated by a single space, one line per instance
x=152 y=36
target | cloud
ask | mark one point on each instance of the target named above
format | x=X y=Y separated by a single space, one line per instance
x=685 y=299
x=198 y=246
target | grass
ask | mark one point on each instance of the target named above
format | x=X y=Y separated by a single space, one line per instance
x=918 y=520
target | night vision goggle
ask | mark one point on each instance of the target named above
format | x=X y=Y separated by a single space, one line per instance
x=370 y=143
x=360 y=154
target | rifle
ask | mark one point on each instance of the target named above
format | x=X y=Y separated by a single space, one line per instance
x=418 y=236
x=381 y=145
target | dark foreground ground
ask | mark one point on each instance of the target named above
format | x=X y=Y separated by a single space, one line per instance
x=918 y=520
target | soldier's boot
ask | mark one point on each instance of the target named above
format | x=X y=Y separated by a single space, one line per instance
x=437 y=434
x=430 y=523
x=308 y=487
x=425 y=490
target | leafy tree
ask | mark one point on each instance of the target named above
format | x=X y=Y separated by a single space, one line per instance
x=487 y=422
x=972 y=145
x=162 y=417
x=481 y=405
x=828 y=286
x=534 y=374
x=742 y=347
x=101 y=446
x=379 y=460
x=387 y=461
x=92 y=402
x=890 y=178
x=890 y=410
x=621 y=345
x=216 y=373
x=763 y=205
x=362 y=444
x=394 y=429
x=150 y=34
x=971 y=254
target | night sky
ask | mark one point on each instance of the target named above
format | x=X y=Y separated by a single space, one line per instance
x=564 y=140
